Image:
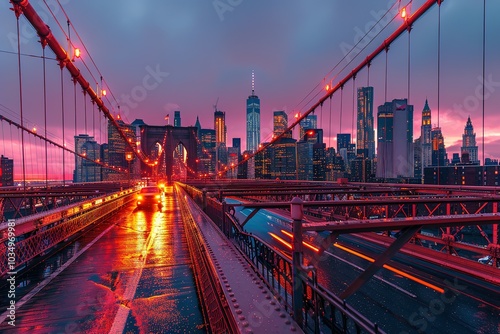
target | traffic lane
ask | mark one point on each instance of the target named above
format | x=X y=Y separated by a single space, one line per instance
x=86 y=296
x=166 y=300
x=77 y=295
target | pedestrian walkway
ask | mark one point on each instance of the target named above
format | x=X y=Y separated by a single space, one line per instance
x=254 y=307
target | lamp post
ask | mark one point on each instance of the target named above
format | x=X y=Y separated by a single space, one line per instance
x=129 y=156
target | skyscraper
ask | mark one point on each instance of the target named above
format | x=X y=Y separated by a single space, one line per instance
x=177 y=118
x=283 y=158
x=310 y=155
x=280 y=122
x=395 y=139
x=439 y=156
x=220 y=127
x=365 y=140
x=469 y=142
x=425 y=137
x=253 y=119
x=86 y=170
x=309 y=122
x=343 y=145
x=117 y=147
x=343 y=139
x=207 y=155
x=6 y=172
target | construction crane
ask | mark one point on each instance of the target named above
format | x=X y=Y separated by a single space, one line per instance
x=215 y=105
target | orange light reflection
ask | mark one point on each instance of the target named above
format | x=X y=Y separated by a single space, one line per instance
x=388 y=267
x=308 y=245
x=287 y=244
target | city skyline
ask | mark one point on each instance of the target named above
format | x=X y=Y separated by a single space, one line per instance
x=288 y=60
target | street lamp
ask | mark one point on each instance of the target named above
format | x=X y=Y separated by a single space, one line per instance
x=129 y=156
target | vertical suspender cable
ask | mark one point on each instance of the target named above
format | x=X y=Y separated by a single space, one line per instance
x=21 y=98
x=330 y=125
x=341 y=106
x=93 y=120
x=354 y=109
x=3 y=138
x=438 y=86
x=62 y=119
x=368 y=77
x=85 y=109
x=385 y=83
x=321 y=116
x=409 y=62
x=45 y=115
x=439 y=60
x=484 y=70
x=74 y=95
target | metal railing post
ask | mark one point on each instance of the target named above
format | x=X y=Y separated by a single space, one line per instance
x=204 y=200
x=297 y=213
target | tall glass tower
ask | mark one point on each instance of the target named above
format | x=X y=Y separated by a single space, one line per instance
x=395 y=156
x=365 y=137
x=220 y=127
x=253 y=119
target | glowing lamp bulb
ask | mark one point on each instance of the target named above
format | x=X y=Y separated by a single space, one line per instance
x=327 y=88
x=403 y=12
x=77 y=53
x=104 y=92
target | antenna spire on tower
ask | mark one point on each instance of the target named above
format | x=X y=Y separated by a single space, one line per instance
x=253 y=82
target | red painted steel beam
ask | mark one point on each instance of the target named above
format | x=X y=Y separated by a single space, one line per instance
x=361 y=202
x=375 y=225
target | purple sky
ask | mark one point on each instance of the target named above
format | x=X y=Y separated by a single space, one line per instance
x=203 y=53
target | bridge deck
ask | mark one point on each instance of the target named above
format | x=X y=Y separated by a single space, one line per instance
x=256 y=309
x=131 y=273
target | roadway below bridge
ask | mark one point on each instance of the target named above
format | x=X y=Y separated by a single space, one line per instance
x=409 y=295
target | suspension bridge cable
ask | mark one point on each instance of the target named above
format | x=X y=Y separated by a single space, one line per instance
x=26 y=55
x=45 y=113
x=368 y=76
x=74 y=97
x=354 y=48
x=484 y=73
x=341 y=107
x=35 y=134
x=62 y=120
x=330 y=125
x=20 y=96
x=88 y=53
x=409 y=62
x=93 y=120
x=85 y=109
x=386 y=69
x=439 y=60
x=353 y=108
x=439 y=89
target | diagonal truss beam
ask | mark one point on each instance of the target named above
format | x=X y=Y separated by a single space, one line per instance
x=250 y=216
x=405 y=236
